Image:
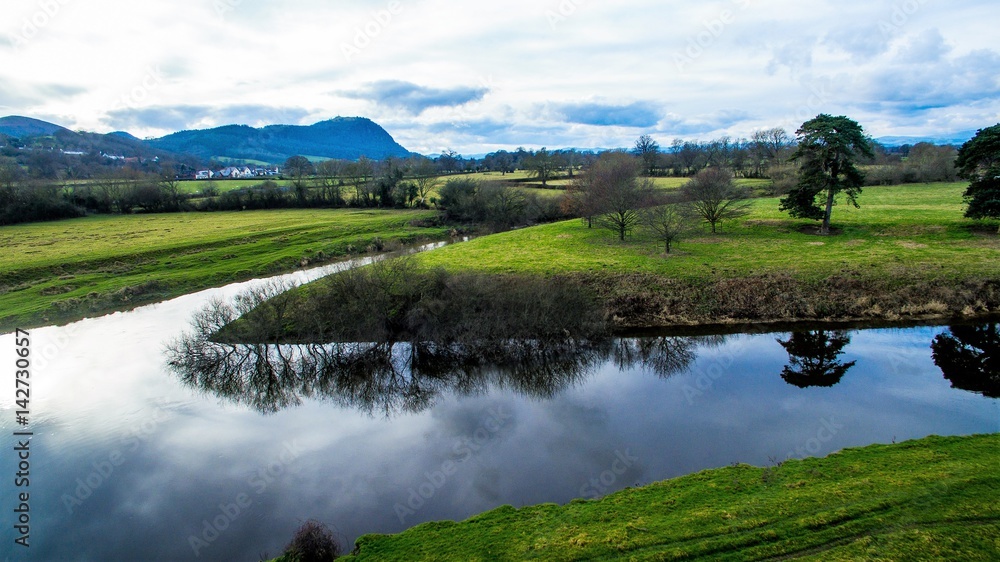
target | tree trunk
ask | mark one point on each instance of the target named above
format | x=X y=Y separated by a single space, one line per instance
x=825 y=228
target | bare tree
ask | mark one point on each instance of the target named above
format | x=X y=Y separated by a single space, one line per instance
x=360 y=174
x=329 y=181
x=666 y=222
x=713 y=196
x=617 y=193
x=649 y=151
x=767 y=148
x=424 y=175
x=298 y=168
x=542 y=165
x=10 y=175
x=116 y=189
x=170 y=188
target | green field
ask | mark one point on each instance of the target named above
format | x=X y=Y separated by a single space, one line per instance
x=936 y=498
x=198 y=186
x=63 y=270
x=913 y=227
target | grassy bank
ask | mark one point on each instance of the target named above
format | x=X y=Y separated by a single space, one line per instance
x=935 y=498
x=58 y=271
x=906 y=253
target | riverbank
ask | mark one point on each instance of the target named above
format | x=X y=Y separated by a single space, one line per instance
x=62 y=271
x=641 y=301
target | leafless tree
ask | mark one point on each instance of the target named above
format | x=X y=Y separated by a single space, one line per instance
x=713 y=196
x=666 y=222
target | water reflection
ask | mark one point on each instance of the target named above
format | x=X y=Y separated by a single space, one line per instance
x=407 y=377
x=969 y=357
x=812 y=358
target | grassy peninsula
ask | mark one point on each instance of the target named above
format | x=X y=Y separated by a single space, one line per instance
x=907 y=253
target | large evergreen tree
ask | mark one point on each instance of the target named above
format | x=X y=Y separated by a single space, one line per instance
x=979 y=162
x=828 y=149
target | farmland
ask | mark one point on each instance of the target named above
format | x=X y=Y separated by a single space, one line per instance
x=62 y=270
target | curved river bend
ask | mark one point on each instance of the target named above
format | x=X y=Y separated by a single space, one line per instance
x=132 y=462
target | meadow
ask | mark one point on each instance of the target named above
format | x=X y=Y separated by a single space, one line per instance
x=914 y=227
x=57 y=271
x=199 y=186
x=934 y=498
x=907 y=254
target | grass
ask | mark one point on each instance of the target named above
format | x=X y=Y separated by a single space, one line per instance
x=934 y=498
x=907 y=254
x=198 y=186
x=64 y=270
x=913 y=227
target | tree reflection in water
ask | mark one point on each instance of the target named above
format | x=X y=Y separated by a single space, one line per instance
x=812 y=358
x=969 y=357
x=390 y=378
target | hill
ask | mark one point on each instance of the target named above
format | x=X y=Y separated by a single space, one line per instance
x=20 y=127
x=343 y=137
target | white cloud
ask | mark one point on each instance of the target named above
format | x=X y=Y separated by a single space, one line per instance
x=490 y=75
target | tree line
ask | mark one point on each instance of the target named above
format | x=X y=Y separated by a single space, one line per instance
x=26 y=194
x=828 y=155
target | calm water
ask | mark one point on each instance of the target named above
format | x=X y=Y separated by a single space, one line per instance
x=132 y=460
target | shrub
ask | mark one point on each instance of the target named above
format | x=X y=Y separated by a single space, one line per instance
x=313 y=542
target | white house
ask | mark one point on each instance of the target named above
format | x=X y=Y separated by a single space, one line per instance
x=230 y=173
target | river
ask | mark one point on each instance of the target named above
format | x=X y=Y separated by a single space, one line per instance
x=131 y=461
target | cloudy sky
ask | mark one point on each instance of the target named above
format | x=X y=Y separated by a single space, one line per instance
x=478 y=76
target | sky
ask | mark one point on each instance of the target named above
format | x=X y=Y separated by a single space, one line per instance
x=476 y=77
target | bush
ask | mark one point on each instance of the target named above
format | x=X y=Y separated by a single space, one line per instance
x=313 y=542
x=783 y=178
x=30 y=203
x=498 y=205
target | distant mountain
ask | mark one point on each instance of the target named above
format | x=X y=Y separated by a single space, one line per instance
x=124 y=135
x=958 y=138
x=343 y=137
x=36 y=134
x=19 y=127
